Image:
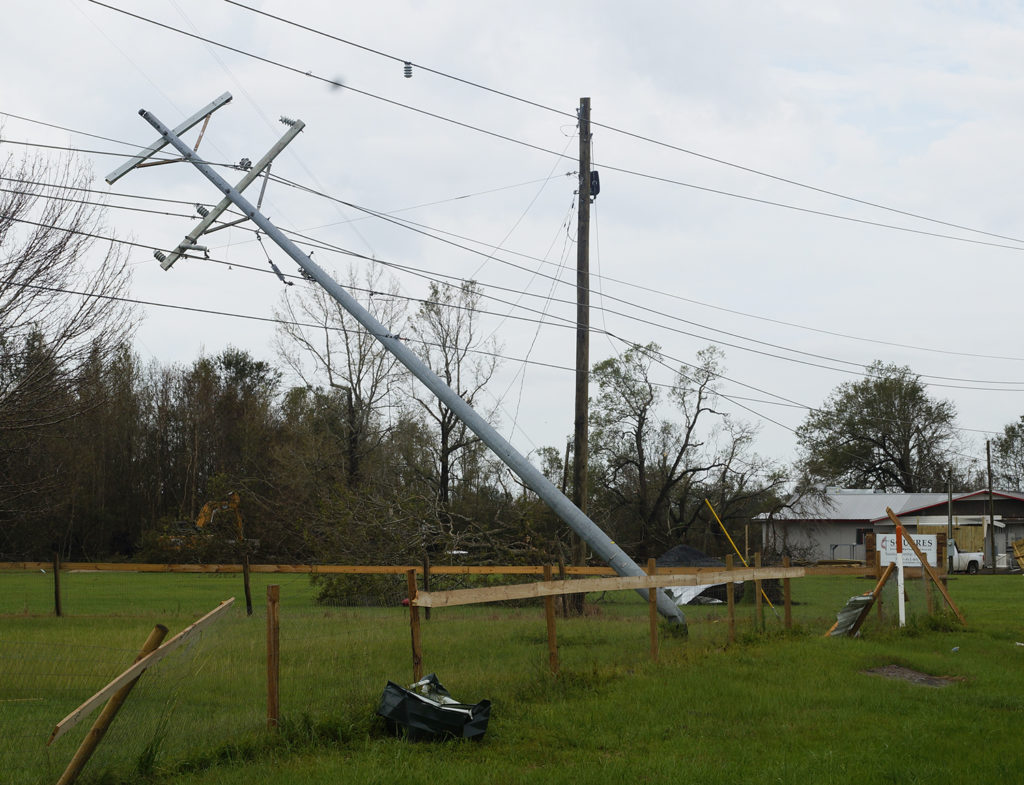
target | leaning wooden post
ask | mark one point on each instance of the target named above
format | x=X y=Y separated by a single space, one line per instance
x=273 y=656
x=652 y=601
x=930 y=599
x=57 y=611
x=414 y=627
x=758 y=595
x=102 y=723
x=245 y=584
x=549 y=614
x=730 y=595
x=787 y=597
x=924 y=563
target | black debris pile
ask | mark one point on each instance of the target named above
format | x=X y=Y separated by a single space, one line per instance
x=426 y=711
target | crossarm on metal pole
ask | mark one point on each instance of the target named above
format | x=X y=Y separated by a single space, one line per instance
x=215 y=211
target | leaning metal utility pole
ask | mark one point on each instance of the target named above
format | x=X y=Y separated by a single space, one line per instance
x=602 y=545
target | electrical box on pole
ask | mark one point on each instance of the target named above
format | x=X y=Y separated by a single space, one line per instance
x=569 y=513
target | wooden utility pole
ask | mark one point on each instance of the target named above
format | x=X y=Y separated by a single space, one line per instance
x=581 y=437
x=991 y=507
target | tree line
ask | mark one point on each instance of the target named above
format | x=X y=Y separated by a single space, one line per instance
x=103 y=455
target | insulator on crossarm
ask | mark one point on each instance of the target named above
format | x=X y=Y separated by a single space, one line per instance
x=287 y=120
x=203 y=212
x=160 y=256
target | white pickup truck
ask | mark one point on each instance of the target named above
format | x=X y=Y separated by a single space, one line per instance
x=964 y=562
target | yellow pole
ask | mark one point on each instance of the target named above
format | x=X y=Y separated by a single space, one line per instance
x=737 y=550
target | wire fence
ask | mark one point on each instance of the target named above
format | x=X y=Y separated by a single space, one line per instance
x=210 y=697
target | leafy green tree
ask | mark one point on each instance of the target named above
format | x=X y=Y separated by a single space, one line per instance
x=1009 y=457
x=882 y=431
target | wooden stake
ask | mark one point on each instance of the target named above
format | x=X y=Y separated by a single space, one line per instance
x=549 y=614
x=245 y=584
x=273 y=656
x=758 y=594
x=56 y=585
x=730 y=595
x=414 y=627
x=929 y=597
x=787 y=596
x=652 y=602
x=106 y=717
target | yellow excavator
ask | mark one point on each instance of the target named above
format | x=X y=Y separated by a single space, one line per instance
x=217 y=531
x=211 y=517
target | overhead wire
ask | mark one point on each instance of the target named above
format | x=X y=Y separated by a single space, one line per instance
x=676 y=318
x=858 y=365
x=737 y=347
x=622 y=131
x=610 y=167
x=734 y=399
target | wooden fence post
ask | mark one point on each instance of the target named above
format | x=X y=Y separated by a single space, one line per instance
x=549 y=613
x=245 y=584
x=730 y=595
x=273 y=656
x=652 y=604
x=426 y=582
x=57 y=611
x=414 y=627
x=758 y=596
x=787 y=597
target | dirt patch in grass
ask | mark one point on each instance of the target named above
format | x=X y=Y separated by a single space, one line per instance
x=914 y=677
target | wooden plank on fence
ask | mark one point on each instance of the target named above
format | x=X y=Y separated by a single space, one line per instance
x=106 y=717
x=522 y=591
x=135 y=670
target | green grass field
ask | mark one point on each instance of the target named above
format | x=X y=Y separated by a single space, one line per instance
x=773 y=707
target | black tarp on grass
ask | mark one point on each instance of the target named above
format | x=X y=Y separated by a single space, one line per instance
x=425 y=711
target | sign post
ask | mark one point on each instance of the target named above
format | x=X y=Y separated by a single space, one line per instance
x=899 y=575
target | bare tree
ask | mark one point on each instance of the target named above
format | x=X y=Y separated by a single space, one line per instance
x=59 y=310
x=321 y=342
x=447 y=332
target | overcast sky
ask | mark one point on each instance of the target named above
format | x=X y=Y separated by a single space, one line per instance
x=710 y=118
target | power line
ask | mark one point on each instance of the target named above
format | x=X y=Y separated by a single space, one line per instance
x=69 y=200
x=414 y=227
x=599 y=276
x=733 y=399
x=622 y=131
x=333 y=82
x=504 y=137
x=662 y=326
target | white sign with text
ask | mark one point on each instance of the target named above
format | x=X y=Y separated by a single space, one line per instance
x=886 y=545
